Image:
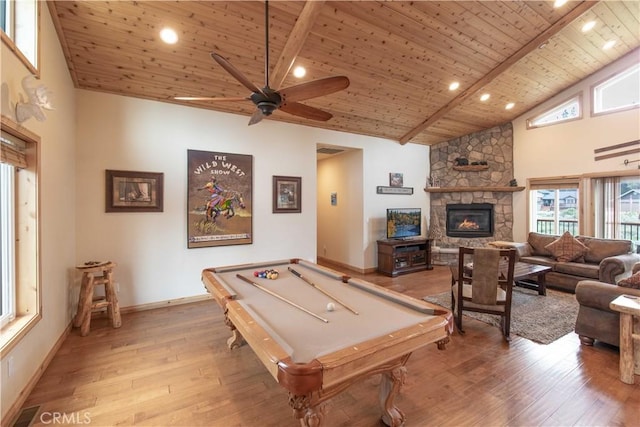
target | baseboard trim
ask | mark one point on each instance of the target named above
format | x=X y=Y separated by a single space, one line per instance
x=14 y=411
x=346 y=266
x=167 y=303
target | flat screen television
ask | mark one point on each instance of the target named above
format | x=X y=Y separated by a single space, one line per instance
x=404 y=223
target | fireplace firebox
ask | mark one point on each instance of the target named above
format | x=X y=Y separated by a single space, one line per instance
x=469 y=220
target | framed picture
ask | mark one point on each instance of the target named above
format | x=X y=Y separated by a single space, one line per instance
x=219 y=199
x=287 y=194
x=130 y=191
x=395 y=180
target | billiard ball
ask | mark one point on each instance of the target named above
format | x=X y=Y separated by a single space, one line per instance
x=331 y=306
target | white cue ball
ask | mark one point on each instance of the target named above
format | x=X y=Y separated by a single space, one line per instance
x=331 y=307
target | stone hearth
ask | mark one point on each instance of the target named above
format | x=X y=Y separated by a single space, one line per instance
x=493 y=146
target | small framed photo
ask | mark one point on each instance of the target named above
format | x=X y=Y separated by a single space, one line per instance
x=287 y=194
x=395 y=180
x=130 y=191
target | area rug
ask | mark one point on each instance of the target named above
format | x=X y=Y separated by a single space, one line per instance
x=538 y=318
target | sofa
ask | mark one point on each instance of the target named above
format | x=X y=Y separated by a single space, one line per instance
x=573 y=259
x=596 y=321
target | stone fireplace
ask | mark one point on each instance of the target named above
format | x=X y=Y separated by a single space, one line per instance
x=486 y=180
x=469 y=220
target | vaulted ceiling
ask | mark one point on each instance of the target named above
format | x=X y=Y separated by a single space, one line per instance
x=399 y=56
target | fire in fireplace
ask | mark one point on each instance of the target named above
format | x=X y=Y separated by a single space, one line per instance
x=469 y=220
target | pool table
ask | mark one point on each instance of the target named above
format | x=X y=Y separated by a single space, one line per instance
x=314 y=350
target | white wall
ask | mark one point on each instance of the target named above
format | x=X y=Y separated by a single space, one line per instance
x=568 y=148
x=154 y=264
x=57 y=200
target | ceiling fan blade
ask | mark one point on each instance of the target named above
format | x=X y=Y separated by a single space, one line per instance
x=314 y=88
x=305 y=111
x=256 y=117
x=209 y=98
x=234 y=72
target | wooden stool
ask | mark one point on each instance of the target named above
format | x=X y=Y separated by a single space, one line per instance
x=96 y=274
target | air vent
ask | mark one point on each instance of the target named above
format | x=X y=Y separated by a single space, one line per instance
x=325 y=150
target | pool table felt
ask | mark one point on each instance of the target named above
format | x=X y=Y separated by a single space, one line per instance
x=304 y=336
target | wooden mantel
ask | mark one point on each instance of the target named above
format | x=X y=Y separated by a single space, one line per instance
x=472 y=189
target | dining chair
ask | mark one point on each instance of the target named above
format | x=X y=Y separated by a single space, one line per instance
x=484 y=284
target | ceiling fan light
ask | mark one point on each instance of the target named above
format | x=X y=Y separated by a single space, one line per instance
x=267 y=107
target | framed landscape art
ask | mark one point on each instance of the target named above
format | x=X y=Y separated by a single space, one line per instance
x=130 y=191
x=219 y=199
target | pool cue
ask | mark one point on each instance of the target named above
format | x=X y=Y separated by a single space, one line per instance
x=281 y=298
x=323 y=291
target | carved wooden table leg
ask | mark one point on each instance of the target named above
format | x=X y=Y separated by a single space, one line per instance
x=236 y=339
x=307 y=410
x=391 y=383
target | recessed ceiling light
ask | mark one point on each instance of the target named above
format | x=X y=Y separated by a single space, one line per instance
x=559 y=3
x=588 y=26
x=484 y=97
x=509 y=106
x=608 y=45
x=169 y=36
x=454 y=86
x=299 y=72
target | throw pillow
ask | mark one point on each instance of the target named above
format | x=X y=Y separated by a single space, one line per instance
x=566 y=248
x=631 y=282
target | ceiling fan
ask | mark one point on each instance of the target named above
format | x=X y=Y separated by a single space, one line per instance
x=268 y=100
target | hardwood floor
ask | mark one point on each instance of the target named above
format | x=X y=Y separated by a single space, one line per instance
x=171 y=366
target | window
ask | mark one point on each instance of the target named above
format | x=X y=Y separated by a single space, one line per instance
x=19 y=235
x=554 y=206
x=564 y=112
x=620 y=92
x=20 y=21
x=7 y=241
x=617 y=207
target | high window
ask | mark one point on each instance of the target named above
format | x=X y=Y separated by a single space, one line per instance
x=554 y=205
x=19 y=235
x=570 y=109
x=19 y=20
x=620 y=92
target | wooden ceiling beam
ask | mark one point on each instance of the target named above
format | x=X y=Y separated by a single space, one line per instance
x=531 y=46
x=295 y=41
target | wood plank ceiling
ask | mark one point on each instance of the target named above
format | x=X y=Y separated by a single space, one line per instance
x=399 y=56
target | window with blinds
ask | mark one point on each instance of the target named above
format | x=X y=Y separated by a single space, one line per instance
x=19 y=233
x=554 y=205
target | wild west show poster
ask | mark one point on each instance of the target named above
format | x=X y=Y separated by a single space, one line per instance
x=219 y=199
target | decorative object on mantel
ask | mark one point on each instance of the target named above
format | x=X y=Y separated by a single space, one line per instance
x=432 y=181
x=380 y=189
x=513 y=183
x=461 y=161
x=38 y=98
